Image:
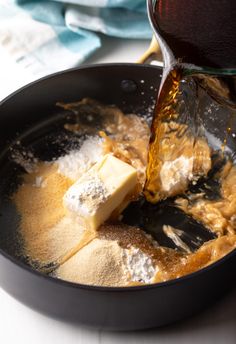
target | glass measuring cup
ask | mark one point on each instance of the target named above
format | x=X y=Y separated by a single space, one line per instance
x=196 y=102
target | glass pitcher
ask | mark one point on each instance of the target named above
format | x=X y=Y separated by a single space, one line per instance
x=198 y=45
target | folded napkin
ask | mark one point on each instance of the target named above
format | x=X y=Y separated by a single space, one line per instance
x=45 y=36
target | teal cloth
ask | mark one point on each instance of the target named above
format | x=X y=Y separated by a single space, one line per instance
x=76 y=27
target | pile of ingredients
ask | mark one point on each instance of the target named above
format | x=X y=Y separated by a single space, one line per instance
x=71 y=208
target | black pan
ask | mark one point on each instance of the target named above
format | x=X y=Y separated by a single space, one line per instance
x=132 y=88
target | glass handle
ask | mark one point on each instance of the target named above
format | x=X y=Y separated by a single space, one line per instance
x=153 y=54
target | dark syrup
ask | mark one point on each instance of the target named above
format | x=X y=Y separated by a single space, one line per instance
x=203 y=99
x=205 y=104
x=197 y=31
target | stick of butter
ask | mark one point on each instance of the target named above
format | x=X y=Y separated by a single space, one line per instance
x=100 y=191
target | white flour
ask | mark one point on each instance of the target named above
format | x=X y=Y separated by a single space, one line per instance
x=85 y=197
x=138 y=265
x=175 y=172
x=77 y=162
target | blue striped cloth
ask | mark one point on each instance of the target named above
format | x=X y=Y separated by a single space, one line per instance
x=45 y=36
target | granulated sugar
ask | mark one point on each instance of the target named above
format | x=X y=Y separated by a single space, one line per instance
x=77 y=162
x=139 y=266
x=176 y=172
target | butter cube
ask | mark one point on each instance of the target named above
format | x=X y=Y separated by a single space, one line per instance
x=100 y=191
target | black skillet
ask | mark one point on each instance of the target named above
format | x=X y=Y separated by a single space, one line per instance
x=132 y=88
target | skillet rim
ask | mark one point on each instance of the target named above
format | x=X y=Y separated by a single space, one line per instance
x=92 y=287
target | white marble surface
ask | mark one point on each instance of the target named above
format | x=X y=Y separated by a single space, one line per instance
x=20 y=325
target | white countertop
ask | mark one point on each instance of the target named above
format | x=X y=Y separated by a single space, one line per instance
x=19 y=324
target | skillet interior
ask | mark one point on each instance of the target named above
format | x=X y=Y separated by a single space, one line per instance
x=32 y=110
x=40 y=129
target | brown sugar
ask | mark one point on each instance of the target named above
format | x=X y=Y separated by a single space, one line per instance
x=98 y=263
x=46 y=230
